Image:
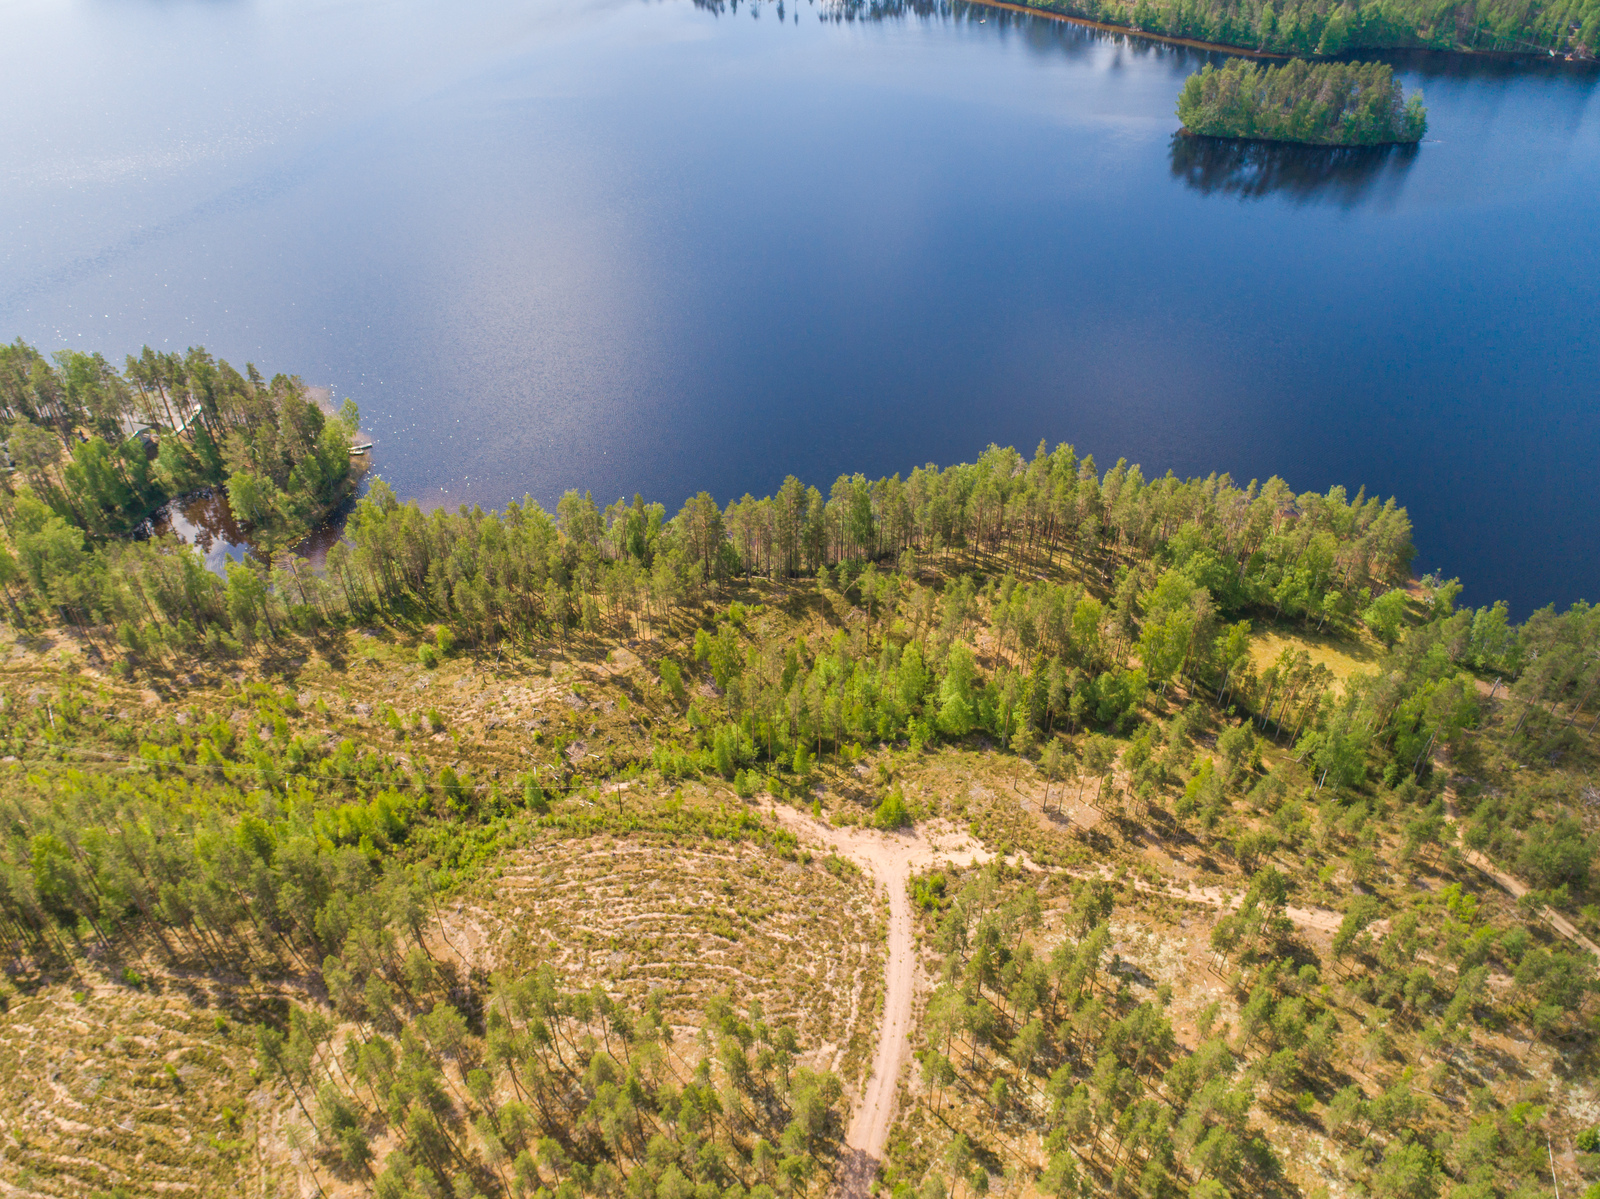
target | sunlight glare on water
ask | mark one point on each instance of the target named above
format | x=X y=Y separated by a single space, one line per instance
x=658 y=247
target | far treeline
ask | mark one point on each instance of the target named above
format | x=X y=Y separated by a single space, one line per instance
x=103 y=449
x=1321 y=104
x=1568 y=27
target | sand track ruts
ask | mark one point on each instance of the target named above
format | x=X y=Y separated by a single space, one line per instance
x=890 y=858
x=1509 y=883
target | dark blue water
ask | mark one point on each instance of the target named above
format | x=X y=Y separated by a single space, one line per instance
x=648 y=246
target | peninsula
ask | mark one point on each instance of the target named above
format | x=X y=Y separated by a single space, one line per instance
x=102 y=449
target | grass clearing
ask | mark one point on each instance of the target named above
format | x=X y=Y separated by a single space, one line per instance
x=1342 y=655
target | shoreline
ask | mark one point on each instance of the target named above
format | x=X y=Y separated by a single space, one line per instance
x=1185 y=131
x=1247 y=52
x=311 y=544
x=1129 y=30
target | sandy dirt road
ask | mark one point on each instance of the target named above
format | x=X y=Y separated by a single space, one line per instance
x=890 y=858
x=1508 y=883
x=1319 y=919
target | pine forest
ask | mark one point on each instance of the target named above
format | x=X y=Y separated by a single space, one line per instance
x=1028 y=826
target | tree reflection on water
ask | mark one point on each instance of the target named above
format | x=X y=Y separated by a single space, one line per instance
x=1342 y=175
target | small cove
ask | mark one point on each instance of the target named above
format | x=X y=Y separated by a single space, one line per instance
x=204 y=520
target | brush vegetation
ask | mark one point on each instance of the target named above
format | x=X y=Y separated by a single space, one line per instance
x=455 y=868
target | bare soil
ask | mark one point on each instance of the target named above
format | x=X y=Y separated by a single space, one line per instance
x=891 y=858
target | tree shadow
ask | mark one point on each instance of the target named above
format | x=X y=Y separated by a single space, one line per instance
x=1345 y=176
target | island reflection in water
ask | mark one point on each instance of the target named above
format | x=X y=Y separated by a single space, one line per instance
x=1342 y=175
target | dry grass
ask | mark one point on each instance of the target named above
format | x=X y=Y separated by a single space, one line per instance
x=119 y=1087
x=692 y=919
x=86 y=1102
x=1161 y=940
x=1342 y=655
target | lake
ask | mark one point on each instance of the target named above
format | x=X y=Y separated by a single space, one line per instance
x=660 y=247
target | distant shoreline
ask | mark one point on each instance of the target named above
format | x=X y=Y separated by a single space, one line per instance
x=1192 y=43
x=1249 y=52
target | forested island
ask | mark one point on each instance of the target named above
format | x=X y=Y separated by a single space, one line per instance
x=1319 y=104
x=1157 y=837
x=1564 y=27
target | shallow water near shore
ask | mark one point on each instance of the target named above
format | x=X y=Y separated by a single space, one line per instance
x=204 y=520
x=660 y=247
